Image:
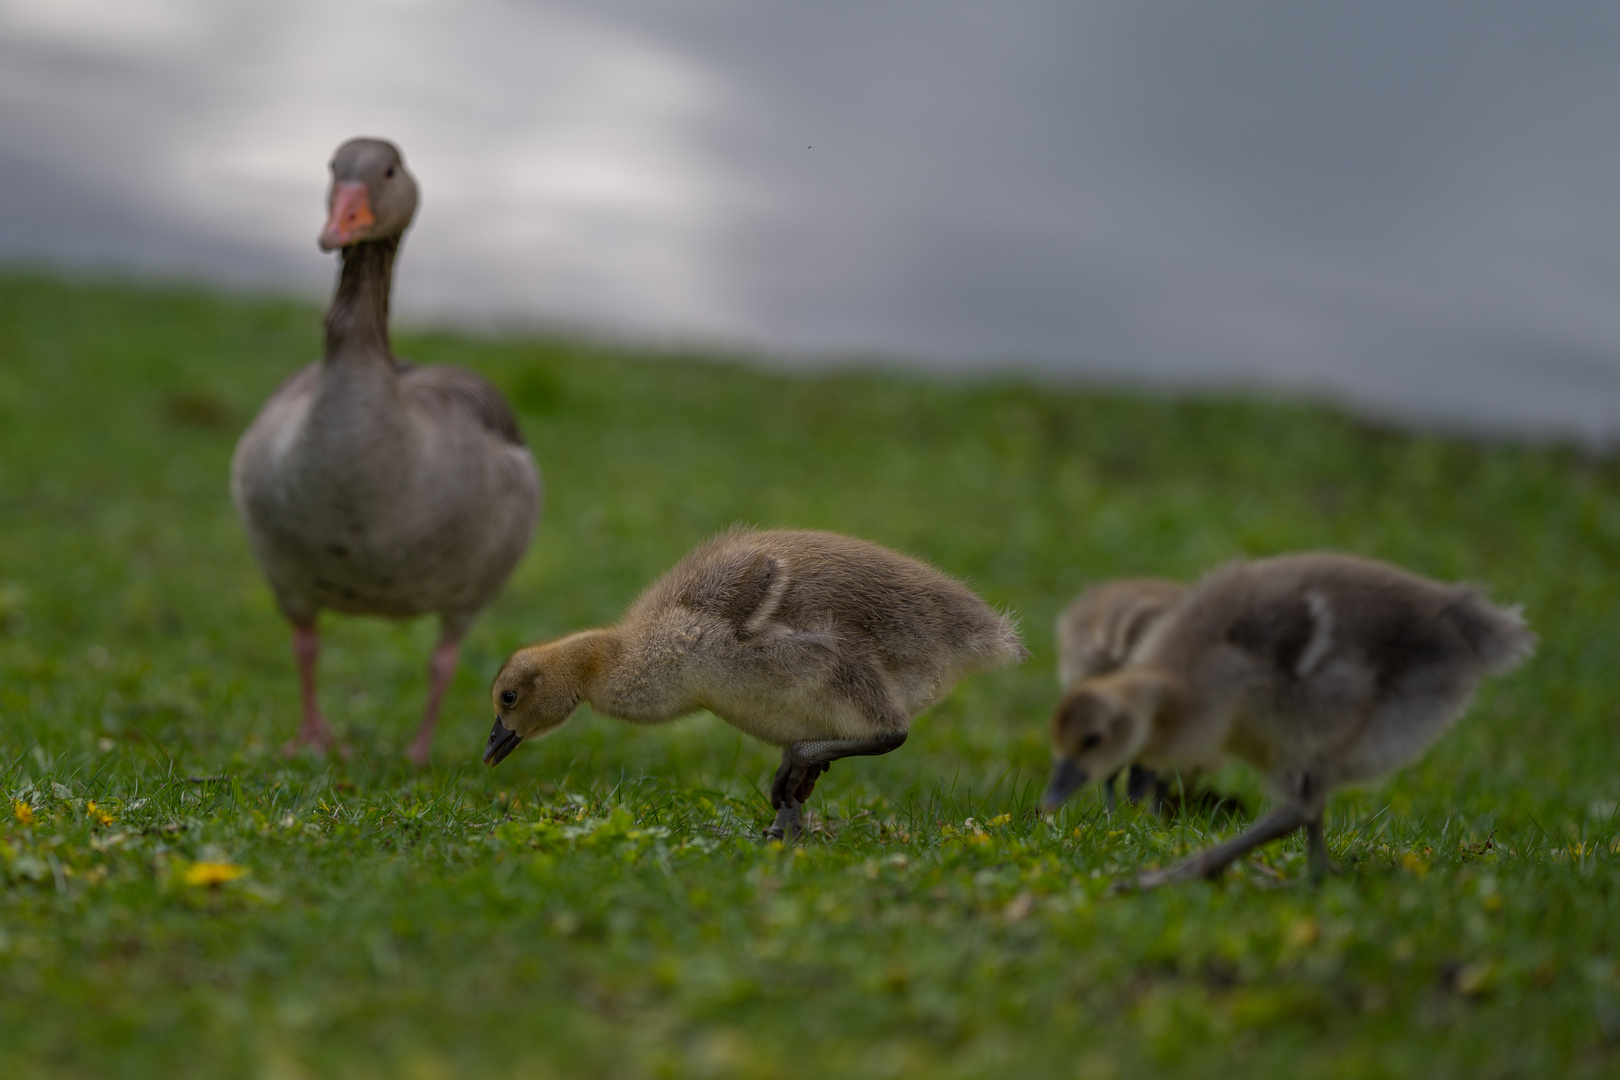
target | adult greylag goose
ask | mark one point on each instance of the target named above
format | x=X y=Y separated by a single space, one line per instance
x=1097 y=633
x=373 y=487
x=822 y=644
x=1319 y=670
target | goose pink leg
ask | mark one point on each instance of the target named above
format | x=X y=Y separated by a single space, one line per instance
x=441 y=669
x=313 y=732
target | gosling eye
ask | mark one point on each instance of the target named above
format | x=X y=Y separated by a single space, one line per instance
x=509 y=698
x=389 y=175
x=1092 y=739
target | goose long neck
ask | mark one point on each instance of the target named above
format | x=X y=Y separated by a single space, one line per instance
x=592 y=659
x=357 y=321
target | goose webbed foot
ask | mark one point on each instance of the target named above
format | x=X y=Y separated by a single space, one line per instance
x=792 y=785
x=1211 y=862
x=420 y=752
x=788 y=826
x=803 y=764
x=316 y=736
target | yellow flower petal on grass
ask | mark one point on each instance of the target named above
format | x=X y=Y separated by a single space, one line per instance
x=213 y=873
x=24 y=812
x=97 y=814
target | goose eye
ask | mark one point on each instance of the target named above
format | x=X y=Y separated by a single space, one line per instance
x=389 y=175
x=509 y=698
x=1090 y=740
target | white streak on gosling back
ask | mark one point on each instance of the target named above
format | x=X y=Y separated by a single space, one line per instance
x=1321 y=641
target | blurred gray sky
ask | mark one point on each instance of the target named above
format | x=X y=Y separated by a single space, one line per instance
x=1410 y=204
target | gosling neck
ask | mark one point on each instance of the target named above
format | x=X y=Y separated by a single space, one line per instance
x=588 y=660
x=357 y=321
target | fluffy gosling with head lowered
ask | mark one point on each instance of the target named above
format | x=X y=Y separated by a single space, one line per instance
x=1319 y=670
x=821 y=644
x=1097 y=633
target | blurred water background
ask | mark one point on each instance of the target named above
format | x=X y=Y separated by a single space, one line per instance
x=1410 y=205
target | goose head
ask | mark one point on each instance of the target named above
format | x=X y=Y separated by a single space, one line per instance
x=372 y=197
x=537 y=690
x=1101 y=726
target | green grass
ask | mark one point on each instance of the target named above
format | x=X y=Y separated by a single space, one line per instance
x=596 y=907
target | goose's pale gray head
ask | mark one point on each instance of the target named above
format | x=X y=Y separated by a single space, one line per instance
x=372 y=196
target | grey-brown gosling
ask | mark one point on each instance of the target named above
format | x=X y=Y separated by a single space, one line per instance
x=373 y=487
x=1097 y=633
x=821 y=644
x=1319 y=670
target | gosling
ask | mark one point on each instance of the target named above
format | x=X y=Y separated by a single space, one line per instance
x=1319 y=670
x=824 y=645
x=1097 y=633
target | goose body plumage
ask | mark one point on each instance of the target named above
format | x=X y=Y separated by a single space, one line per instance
x=370 y=486
x=398 y=491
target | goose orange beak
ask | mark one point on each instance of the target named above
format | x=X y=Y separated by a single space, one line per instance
x=350 y=217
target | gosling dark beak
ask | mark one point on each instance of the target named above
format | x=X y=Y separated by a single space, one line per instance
x=502 y=741
x=1067 y=778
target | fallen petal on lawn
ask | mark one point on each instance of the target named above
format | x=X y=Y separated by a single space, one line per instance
x=212 y=873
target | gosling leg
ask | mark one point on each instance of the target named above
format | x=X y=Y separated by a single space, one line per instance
x=1321 y=862
x=803 y=763
x=1140 y=783
x=1109 y=802
x=791 y=779
x=1211 y=861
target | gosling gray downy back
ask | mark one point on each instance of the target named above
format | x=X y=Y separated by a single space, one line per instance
x=1098 y=631
x=1319 y=670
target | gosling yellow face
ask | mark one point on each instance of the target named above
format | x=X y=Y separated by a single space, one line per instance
x=1097 y=729
x=531 y=699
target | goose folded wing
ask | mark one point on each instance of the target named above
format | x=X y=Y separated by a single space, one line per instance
x=439 y=388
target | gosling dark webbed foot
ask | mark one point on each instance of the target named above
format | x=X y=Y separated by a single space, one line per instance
x=1211 y=861
x=788 y=826
x=1188 y=869
x=803 y=763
